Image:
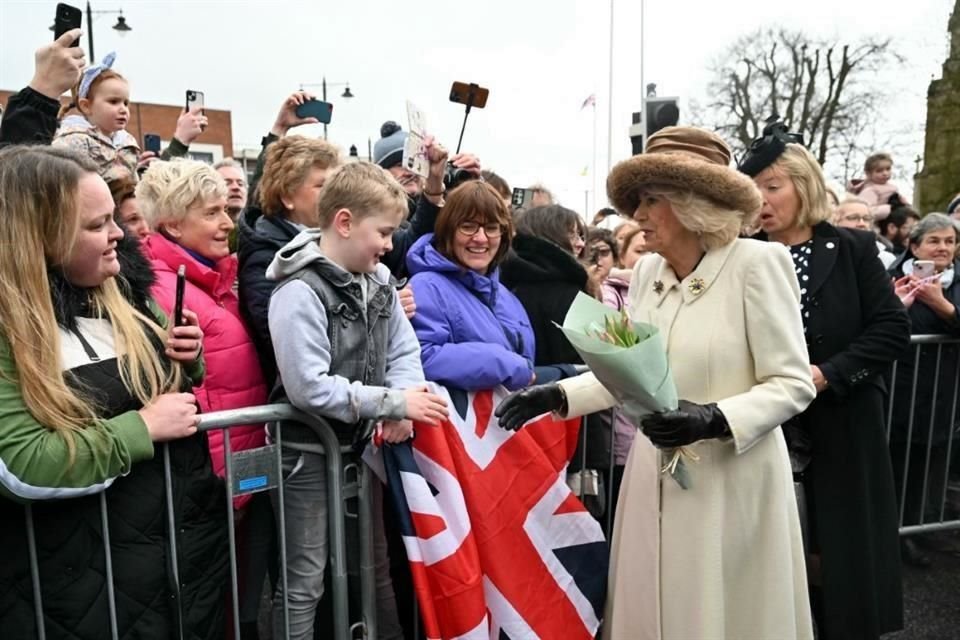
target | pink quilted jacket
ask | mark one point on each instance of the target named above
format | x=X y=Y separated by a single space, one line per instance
x=233 y=379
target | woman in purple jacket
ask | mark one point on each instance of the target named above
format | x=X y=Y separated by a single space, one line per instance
x=473 y=332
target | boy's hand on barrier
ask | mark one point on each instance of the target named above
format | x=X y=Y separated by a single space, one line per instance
x=171 y=416
x=57 y=66
x=395 y=431
x=186 y=341
x=423 y=406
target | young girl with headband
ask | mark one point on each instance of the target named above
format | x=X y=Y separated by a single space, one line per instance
x=103 y=99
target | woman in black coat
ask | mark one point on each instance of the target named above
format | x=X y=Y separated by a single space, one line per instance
x=544 y=273
x=856 y=328
x=933 y=307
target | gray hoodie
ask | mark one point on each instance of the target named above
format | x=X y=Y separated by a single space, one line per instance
x=298 y=327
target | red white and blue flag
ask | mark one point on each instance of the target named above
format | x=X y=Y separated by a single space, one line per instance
x=498 y=545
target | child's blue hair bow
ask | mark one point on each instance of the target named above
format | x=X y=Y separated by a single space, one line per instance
x=90 y=73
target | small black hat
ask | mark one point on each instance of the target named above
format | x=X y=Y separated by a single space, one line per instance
x=765 y=150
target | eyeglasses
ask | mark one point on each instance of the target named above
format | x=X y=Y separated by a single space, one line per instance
x=471 y=228
x=865 y=217
x=603 y=252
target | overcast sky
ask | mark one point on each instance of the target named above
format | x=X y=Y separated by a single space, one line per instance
x=540 y=59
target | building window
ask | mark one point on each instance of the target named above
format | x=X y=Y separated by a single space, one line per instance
x=202 y=156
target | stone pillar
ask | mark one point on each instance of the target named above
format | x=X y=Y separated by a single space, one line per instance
x=939 y=180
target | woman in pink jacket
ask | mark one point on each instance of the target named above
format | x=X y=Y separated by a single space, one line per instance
x=184 y=202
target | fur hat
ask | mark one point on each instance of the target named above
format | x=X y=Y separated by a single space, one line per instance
x=690 y=159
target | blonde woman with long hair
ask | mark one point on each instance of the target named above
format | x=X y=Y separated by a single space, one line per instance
x=90 y=379
x=855 y=328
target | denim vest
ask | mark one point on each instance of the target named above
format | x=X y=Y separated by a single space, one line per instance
x=357 y=334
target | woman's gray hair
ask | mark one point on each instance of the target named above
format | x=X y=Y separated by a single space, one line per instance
x=929 y=223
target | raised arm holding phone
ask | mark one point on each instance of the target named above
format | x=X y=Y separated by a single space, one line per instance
x=31 y=113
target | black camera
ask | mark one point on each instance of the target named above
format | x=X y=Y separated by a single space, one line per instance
x=453 y=176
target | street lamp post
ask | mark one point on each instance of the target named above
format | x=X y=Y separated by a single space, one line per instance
x=324 y=84
x=121 y=27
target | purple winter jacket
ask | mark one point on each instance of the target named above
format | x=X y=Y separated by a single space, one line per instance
x=473 y=332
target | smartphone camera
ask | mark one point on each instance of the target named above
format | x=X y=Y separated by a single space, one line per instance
x=191 y=96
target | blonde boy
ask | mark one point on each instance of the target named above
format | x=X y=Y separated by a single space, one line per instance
x=346 y=352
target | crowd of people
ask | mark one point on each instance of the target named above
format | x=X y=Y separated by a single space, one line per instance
x=344 y=288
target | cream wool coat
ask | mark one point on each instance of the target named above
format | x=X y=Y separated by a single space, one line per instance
x=726 y=561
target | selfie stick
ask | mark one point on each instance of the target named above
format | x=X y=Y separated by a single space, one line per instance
x=470 y=97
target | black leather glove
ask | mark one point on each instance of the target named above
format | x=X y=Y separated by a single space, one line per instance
x=521 y=406
x=688 y=424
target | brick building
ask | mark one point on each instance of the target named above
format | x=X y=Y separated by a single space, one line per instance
x=213 y=144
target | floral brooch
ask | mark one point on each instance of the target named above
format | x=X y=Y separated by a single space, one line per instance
x=658 y=287
x=696 y=286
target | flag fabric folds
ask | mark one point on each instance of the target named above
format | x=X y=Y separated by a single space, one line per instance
x=499 y=546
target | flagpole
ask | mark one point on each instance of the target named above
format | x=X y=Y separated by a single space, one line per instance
x=610 y=99
x=593 y=162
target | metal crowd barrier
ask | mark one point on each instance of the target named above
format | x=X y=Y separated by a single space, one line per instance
x=261 y=470
x=255 y=471
x=938 y=458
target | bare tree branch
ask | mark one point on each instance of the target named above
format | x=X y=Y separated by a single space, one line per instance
x=822 y=90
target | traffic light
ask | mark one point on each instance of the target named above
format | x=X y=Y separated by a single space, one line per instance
x=657 y=113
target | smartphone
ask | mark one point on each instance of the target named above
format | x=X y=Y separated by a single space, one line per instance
x=472 y=95
x=522 y=198
x=67 y=18
x=194 y=99
x=923 y=268
x=318 y=109
x=151 y=142
x=178 y=303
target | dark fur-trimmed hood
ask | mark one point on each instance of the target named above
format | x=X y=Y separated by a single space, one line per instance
x=533 y=259
x=135 y=279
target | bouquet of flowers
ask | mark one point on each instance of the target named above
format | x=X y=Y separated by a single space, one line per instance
x=630 y=360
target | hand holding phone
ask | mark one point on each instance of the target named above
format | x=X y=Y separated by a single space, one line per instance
x=178 y=302
x=58 y=65
x=195 y=100
x=322 y=111
x=65 y=19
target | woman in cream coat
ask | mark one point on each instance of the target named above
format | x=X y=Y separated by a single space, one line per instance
x=724 y=558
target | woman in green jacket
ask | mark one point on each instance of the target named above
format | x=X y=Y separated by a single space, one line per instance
x=90 y=379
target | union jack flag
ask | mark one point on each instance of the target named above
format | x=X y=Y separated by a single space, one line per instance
x=498 y=545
